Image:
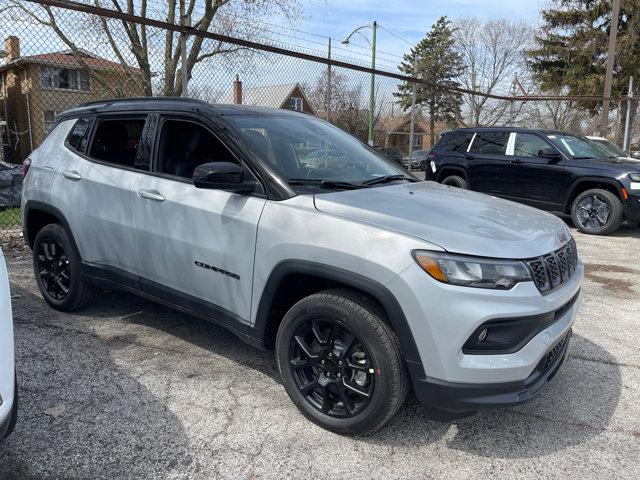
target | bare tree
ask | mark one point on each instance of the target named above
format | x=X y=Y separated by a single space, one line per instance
x=493 y=53
x=138 y=48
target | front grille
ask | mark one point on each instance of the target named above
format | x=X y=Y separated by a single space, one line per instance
x=555 y=269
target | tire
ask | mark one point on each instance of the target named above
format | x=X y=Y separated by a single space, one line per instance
x=65 y=274
x=381 y=363
x=589 y=208
x=455 y=181
x=10 y=427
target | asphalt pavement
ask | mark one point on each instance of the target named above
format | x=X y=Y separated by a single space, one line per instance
x=128 y=389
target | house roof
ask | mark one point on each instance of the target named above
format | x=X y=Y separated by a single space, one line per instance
x=66 y=58
x=271 y=96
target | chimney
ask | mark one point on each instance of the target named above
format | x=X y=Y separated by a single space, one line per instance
x=237 y=91
x=12 y=48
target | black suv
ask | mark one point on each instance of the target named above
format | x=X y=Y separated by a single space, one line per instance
x=548 y=169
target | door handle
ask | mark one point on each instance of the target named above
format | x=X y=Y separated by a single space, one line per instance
x=72 y=175
x=516 y=161
x=151 y=195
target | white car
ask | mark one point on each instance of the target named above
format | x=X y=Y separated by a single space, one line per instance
x=8 y=392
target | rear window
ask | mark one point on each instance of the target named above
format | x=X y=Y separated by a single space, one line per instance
x=491 y=143
x=79 y=135
x=454 y=142
x=116 y=141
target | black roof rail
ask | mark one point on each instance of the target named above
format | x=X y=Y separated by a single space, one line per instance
x=140 y=99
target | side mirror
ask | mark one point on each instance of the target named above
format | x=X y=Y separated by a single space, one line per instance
x=550 y=153
x=222 y=176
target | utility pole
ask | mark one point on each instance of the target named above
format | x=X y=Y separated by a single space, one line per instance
x=185 y=21
x=608 y=79
x=512 y=106
x=413 y=112
x=372 y=102
x=627 y=122
x=327 y=107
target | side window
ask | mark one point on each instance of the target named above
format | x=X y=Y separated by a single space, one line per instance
x=455 y=142
x=116 y=141
x=528 y=145
x=490 y=143
x=184 y=145
x=79 y=135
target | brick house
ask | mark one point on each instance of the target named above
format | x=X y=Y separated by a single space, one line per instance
x=289 y=96
x=394 y=132
x=35 y=88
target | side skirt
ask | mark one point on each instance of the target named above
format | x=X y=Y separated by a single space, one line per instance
x=116 y=279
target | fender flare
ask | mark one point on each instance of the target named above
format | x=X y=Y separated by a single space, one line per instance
x=606 y=180
x=31 y=205
x=455 y=168
x=372 y=288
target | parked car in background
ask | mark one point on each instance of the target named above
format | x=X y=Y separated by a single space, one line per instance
x=609 y=147
x=363 y=279
x=8 y=387
x=548 y=169
x=10 y=185
x=418 y=160
x=392 y=154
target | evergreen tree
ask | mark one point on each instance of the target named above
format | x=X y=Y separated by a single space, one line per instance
x=572 y=48
x=436 y=62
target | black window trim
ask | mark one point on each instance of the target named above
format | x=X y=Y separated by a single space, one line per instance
x=163 y=117
x=91 y=118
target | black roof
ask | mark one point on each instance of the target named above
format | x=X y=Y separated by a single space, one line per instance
x=146 y=104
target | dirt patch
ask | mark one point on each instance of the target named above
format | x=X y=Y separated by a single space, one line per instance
x=599 y=267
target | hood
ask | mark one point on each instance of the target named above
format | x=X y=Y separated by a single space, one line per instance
x=458 y=220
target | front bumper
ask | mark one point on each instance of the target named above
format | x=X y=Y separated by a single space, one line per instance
x=442 y=317
x=461 y=397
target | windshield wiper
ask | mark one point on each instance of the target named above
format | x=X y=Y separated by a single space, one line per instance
x=385 y=179
x=325 y=183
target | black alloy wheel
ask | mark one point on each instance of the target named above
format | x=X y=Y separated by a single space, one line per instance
x=597 y=212
x=52 y=265
x=332 y=368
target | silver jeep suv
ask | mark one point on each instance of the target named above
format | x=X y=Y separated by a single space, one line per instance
x=297 y=237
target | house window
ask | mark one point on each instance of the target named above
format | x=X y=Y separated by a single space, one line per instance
x=64 y=78
x=417 y=139
x=49 y=120
x=295 y=103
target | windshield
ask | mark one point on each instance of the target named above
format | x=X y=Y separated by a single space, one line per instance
x=609 y=147
x=576 y=147
x=311 y=153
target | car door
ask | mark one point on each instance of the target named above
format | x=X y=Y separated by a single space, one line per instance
x=94 y=190
x=487 y=162
x=195 y=246
x=535 y=179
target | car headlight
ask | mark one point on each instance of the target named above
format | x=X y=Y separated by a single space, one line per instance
x=635 y=177
x=472 y=271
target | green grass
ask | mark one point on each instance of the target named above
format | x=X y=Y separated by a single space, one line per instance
x=9 y=218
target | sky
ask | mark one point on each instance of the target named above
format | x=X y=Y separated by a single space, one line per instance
x=410 y=19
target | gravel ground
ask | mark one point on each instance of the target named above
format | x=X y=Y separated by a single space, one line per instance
x=129 y=389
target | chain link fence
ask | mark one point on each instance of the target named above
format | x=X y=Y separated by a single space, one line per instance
x=59 y=54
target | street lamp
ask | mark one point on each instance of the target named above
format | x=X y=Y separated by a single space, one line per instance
x=374 y=27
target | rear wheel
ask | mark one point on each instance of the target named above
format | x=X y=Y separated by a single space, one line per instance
x=57 y=267
x=597 y=212
x=455 y=181
x=340 y=362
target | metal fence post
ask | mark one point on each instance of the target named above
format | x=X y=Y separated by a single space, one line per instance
x=413 y=114
x=627 y=123
x=185 y=21
x=328 y=99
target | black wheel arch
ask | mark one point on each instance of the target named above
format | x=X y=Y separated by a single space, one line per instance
x=38 y=214
x=448 y=170
x=586 y=183
x=268 y=316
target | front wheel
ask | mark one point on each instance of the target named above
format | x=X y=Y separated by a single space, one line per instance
x=597 y=212
x=340 y=362
x=455 y=181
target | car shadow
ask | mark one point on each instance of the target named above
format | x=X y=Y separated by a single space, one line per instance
x=80 y=414
x=626 y=230
x=567 y=412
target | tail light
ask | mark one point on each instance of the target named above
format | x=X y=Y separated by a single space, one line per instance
x=25 y=167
